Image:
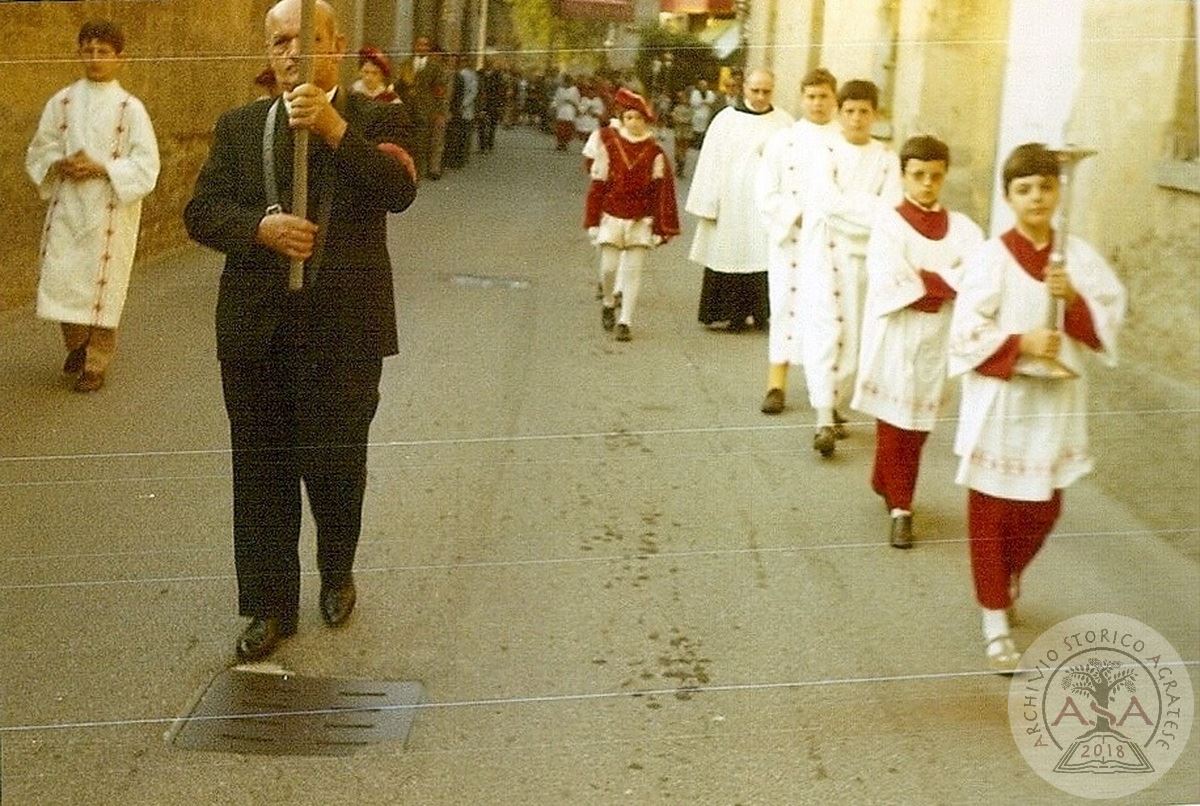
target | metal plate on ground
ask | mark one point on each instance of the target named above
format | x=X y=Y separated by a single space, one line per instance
x=280 y=713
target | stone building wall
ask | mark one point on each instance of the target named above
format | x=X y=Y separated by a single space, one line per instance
x=186 y=67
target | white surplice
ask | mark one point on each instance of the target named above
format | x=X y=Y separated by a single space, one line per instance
x=1025 y=437
x=902 y=363
x=730 y=235
x=91 y=228
x=781 y=189
x=853 y=186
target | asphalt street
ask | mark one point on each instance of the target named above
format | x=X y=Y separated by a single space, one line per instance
x=617 y=580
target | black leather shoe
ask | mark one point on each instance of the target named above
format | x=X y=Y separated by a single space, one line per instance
x=261 y=637
x=902 y=536
x=608 y=317
x=337 y=603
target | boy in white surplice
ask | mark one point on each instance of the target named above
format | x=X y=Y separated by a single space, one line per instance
x=914 y=264
x=1022 y=436
x=93 y=158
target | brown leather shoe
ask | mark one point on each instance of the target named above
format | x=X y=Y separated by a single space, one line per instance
x=261 y=637
x=74 y=363
x=89 y=381
x=337 y=602
x=824 y=441
x=773 y=402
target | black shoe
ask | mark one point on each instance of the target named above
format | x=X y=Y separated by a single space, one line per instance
x=773 y=402
x=337 y=603
x=824 y=441
x=623 y=333
x=260 y=638
x=74 y=363
x=902 y=536
x=608 y=317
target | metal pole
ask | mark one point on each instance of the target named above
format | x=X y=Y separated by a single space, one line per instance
x=300 y=153
x=483 y=25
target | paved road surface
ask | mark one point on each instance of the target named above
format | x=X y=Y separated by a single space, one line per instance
x=619 y=582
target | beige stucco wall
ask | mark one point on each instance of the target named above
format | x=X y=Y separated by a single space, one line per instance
x=1126 y=110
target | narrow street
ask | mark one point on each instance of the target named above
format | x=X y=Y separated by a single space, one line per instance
x=617 y=580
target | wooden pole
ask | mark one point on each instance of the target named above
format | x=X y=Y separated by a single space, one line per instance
x=300 y=154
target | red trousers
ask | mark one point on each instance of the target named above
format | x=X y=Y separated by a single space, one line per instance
x=897 y=460
x=1004 y=537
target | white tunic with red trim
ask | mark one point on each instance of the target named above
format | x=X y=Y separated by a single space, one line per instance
x=91 y=227
x=782 y=188
x=902 y=364
x=852 y=187
x=1024 y=437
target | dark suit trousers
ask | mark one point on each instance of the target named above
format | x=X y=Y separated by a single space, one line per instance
x=295 y=418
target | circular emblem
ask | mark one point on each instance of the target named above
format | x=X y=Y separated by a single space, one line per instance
x=1102 y=706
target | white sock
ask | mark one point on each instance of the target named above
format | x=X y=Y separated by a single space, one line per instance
x=995 y=623
x=824 y=416
x=897 y=512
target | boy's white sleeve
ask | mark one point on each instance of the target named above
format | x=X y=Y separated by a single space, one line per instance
x=47 y=147
x=135 y=174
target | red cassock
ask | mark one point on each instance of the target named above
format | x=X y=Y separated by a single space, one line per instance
x=631 y=191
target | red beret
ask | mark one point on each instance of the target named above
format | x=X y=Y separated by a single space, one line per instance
x=628 y=99
x=376 y=57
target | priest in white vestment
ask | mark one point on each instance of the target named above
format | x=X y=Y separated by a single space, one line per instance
x=782 y=187
x=731 y=237
x=93 y=158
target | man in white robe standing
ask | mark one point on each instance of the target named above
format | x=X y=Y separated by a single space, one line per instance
x=860 y=178
x=94 y=158
x=782 y=188
x=731 y=237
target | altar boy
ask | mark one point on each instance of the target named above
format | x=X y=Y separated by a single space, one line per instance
x=914 y=264
x=93 y=158
x=1022 y=436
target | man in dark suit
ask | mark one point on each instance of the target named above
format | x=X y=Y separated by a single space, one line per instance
x=424 y=86
x=300 y=370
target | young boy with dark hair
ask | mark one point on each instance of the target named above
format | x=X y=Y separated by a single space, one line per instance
x=93 y=157
x=1022 y=437
x=914 y=264
x=860 y=179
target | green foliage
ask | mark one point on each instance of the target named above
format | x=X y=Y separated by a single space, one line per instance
x=693 y=59
x=538 y=28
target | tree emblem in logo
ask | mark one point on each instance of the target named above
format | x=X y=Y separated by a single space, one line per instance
x=1102 y=706
x=1103 y=748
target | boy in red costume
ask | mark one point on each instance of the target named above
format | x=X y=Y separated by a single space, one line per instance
x=631 y=204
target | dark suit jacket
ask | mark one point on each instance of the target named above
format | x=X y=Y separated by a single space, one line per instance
x=349 y=310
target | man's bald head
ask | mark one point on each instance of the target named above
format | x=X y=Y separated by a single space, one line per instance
x=284 y=9
x=758 y=89
x=282 y=26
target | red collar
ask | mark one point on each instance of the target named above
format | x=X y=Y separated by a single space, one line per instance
x=933 y=224
x=1028 y=256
